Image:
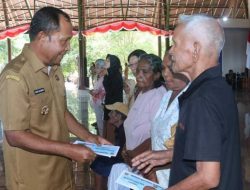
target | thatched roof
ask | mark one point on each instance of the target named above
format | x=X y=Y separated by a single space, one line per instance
x=155 y=13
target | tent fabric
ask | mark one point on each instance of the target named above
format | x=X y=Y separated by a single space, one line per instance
x=115 y=27
x=128 y=25
x=13 y=32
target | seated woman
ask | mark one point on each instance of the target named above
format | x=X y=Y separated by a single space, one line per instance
x=164 y=125
x=102 y=165
x=137 y=126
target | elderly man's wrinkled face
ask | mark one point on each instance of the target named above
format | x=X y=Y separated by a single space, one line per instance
x=181 y=52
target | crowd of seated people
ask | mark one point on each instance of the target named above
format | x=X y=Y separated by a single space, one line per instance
x=145 y=98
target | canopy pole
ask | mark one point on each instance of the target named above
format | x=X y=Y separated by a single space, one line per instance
x=167 y=18
x=83 y=80
x=160 y=26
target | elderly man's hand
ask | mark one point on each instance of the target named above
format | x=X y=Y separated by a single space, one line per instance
x=149 y=159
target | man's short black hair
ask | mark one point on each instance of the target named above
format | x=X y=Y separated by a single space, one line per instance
x=47 y=20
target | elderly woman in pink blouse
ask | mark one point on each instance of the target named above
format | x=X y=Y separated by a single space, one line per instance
x=139 y=121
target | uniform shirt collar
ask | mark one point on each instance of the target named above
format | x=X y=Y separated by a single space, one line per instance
x=211 y=73
x=36 y=63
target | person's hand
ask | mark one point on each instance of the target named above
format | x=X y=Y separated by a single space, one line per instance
x=97 y=139
x=80 y=153
x=149 y=159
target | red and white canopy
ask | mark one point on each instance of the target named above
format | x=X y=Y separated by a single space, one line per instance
x=117 y=26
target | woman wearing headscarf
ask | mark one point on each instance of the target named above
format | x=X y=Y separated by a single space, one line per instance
x=113 y=85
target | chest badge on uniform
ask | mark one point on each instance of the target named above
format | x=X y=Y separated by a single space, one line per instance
x=39 y=91
x=57 y=77
x=45 y=110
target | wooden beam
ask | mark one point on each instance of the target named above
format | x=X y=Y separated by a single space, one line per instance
x=28 y=7
x=159 y=26
x=247 y=7
x=127 y=7
x=148 y=5
x=82 y=48
x=167 y=21
x=123 y=16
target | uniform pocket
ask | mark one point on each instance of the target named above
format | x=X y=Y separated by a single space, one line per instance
x=41 y=105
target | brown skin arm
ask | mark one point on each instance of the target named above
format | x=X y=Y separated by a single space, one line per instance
x=206 y=177
x=36 y=144
x=80 y=131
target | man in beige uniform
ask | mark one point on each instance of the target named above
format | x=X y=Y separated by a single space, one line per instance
x=33 y=109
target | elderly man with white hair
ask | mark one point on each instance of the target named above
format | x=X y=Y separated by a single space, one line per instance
x=207 y=148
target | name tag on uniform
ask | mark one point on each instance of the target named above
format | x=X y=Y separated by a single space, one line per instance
x=39 y=91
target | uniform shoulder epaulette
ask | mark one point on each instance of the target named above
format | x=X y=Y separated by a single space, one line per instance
x=17 y=63
x=13 y=77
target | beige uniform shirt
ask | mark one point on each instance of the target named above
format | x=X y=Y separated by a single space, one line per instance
x=34 y=99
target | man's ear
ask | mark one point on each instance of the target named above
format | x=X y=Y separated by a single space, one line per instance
x=196 y=52
x=41 y=36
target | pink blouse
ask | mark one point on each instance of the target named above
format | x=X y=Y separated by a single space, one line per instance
x=138 y=124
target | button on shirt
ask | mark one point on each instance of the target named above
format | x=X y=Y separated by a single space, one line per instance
x=34 y=99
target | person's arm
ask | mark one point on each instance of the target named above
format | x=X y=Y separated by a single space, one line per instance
x=150 y=159
x=80 y=131
x=34 y=143
x=206 y=177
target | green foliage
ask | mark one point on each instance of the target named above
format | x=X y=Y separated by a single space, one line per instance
x=3 y=54
x=117 y=43
x=97 y=46
x=16 y=47
x=120 y=44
